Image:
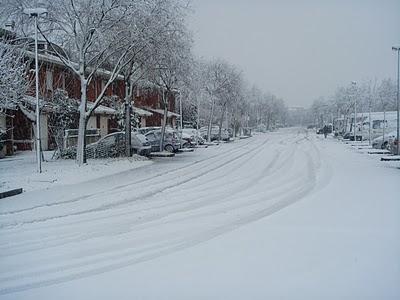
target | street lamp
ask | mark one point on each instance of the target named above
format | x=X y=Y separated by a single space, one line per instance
x=35 y=13
x=355 y=110
x=398 y=101
x=181 y=118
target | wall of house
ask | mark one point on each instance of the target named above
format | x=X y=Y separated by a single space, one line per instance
x=143 y=122
x=99 y=122
x=103 y=125
x=92 y=123
x=22 y=130
x=151 y=99
x=52 y=77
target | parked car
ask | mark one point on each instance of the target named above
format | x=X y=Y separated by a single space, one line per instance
x=214 y=133
x=113 y=145
x=393 y=146
x=140 y=145
x=384 y=143
x=171 y=140
x=350 y=136
x=192 y=136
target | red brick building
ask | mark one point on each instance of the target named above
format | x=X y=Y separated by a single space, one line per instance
x=53 y=75
x=150 y=100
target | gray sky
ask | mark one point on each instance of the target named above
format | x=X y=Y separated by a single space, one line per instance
x=300 y=50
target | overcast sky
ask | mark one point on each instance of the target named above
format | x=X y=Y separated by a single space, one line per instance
x=300 y=50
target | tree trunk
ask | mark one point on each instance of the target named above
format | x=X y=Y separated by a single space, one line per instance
x=128 y=108
x=210 y=121
x=369 y=122
x=80 y=149
x=384 y=123
x=221 y=120
x=164 y=123
x=41 y=155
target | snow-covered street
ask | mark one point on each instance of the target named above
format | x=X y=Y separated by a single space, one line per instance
x=284 y=215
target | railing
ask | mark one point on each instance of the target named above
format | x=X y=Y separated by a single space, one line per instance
x=71 y=137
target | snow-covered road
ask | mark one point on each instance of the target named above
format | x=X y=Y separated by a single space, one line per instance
x=135 y=233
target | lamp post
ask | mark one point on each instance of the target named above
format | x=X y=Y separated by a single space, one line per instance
x=355 y=110
x=181 y=118
x=35 y=13
x=398 y=101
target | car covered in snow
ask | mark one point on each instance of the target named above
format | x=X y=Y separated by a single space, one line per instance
x=350 y=136
x=384 y=143
x=171 y=140
x=393 y=146
x=214 y=133
x=191 y=136
x=113 y=145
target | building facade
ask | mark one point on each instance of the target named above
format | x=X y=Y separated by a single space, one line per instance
x=53 y=76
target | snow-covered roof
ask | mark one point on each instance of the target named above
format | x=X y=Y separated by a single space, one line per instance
x=48 y=106
x=44 y=105
x=56 y=60
x=161 y=112
x=142 y=112
x=102 y=110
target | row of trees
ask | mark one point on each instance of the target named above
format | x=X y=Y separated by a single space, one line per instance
x=145 y=42
x=369 y=96
x=216 y=92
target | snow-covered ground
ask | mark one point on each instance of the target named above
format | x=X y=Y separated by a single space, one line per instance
x=286 y=215
x=20 y=171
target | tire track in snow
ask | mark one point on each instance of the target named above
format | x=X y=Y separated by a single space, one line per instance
x=12 y=250
x=285 y=200
x=149 y=178
x=140 y=197
x=143 y=220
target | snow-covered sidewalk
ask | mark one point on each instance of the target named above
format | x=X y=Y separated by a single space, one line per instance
x=20 y=171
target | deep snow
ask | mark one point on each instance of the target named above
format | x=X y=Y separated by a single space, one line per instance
x=286 y=215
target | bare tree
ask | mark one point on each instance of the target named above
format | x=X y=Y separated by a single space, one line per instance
x=218 y=76
x=386 y=94
x=170 y=64
x=84 y=29
x=14 y=82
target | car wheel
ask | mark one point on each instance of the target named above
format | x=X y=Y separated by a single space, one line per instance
x=169 y=148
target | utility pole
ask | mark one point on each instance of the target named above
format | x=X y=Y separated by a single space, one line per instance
x=35 y=13
x=355 y=110
x=181 y=118
x=398 y=101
